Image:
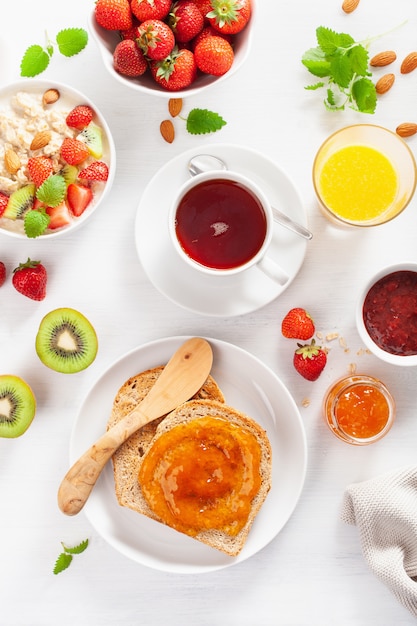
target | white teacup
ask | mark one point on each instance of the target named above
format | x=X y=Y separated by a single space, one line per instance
x=221 y=224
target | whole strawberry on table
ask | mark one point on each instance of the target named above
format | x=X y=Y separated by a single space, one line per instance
x=174 y=42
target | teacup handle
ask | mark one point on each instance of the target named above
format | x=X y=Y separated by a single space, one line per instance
x=272 y=270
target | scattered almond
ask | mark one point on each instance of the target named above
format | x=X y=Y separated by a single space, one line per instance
x=349 y=6
x=305 y=403
x=407 y=129
x=40 y=140
x=409 y=64
x=383 y=58
x=50 y=96
x=174 y=106
x=167 y=130
x=385 y=83
x=331 y=336
x=11 y=161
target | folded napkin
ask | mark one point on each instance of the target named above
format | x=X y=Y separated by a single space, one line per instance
x=385 y=511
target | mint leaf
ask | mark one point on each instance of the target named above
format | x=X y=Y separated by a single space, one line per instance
x=71 y=41
x=36 y=222
x=316 y=62
x=62 y=562
x=52 y=191
x=341 y=70
x=76 y=549
x=202 y=121
x=364 y=94
x=35 y=61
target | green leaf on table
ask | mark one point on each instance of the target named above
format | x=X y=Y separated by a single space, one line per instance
x=364 y=94
x=71 y=41
x=76 y=549
x=62 y=562
x=202 y=121
x=35 y=61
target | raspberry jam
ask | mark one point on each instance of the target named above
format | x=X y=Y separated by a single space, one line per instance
x=390 y=313
x=220 y=224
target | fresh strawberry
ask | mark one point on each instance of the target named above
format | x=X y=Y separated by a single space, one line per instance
x=204 y=6
x=80 y=116
x=150 y=9
x=98 y=170
x=229 y=16
x=59 y=216
x=130 y=33
x=2 y=273
x=113 y=14
x=4 y=199
x=186 y=20
x=156 y=39
x=30 y=279
x=74 y=151
x=214 y=55
x=128 y=59
x=78 y=198
x=177 y=71
x=209 y=31
x=309 y=360
x=40 y=168
x=298 y=324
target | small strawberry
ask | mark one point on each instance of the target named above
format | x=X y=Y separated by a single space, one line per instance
x=2 y=273
x=4 y=199
x=113 y=14
x=204 y=7
x=59 y=216
x=30 y=279
x=129 y=59
x=78 y=198
x=97 y=170
x=150 y=9
x=80 y=116
x=298 y=324
x=74 y=151
x=156 y=39
x=209 y=31
x=309 y=360
x=229 y=16
x=177 y=71
x=214 y=55
x=186 y=20
x=40 y=168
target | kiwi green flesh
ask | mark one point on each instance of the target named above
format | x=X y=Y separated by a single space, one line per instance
x=66 y=341
x=17 y=406
x=91 y=135
x=20 y=201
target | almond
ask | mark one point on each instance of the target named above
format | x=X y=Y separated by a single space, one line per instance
x=50 y=96
x=409 y=64
x=383 y=58
x=167 y=130
x=349 y=6
x=11 y=161
x=406 y=129
x=385 y=83
x=40 y=140
x=175 y=106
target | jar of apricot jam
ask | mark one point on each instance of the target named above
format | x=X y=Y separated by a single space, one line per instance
x=359 y=409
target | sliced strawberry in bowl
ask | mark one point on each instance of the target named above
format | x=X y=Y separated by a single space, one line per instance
x=98 y=170
x=74 y=151
x=78 y=198
x=59 y=216
x=80 y=116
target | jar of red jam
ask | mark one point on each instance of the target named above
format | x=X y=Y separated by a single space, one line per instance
x=359 y=409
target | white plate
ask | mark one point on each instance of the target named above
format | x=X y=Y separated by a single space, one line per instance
x=249 y=386
x=184 y=285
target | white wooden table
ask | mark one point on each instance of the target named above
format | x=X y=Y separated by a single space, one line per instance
x=313 y=573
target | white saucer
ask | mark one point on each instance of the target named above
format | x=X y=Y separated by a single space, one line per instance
x=184 y=285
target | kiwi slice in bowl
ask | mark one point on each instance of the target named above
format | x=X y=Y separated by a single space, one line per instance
x=17 y=406
x=66 y=341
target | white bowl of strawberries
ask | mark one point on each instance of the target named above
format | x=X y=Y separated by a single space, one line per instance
x=166 y=47
x=57 y=159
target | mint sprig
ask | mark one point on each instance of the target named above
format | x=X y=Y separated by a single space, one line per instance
x=202 y=121
x=69 y=41
x=65 y=558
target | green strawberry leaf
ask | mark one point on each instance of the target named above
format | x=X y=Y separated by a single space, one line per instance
x=35 y=61
x=202 y=121
x=71 y=41
x=76 y=549
x=62 y=562
x=36 y=222
x=52 y=191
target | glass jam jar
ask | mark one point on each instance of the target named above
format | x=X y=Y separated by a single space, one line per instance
x=359 y=409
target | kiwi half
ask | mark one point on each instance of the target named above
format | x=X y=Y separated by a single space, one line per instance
x=66 y=341
x=17 y=406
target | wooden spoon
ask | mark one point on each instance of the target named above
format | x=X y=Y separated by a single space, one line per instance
x=184 y=374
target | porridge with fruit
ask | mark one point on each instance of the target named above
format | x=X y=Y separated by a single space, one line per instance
x=52 y=162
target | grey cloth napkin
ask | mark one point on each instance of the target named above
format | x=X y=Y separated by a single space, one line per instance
x=384 y=510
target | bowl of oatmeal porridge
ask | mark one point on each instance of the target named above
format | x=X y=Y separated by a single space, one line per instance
x=57 y=159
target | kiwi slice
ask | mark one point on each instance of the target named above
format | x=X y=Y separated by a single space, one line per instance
x=17 y=406
x=66 y=341
x=69 y=173
x=92 y=137
x=20 y=201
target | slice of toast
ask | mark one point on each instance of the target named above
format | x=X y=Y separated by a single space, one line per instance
x=131 y=393
x=132 y=496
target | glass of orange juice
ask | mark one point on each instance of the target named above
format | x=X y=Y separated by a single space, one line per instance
x=359 y=409
x=364 y=175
